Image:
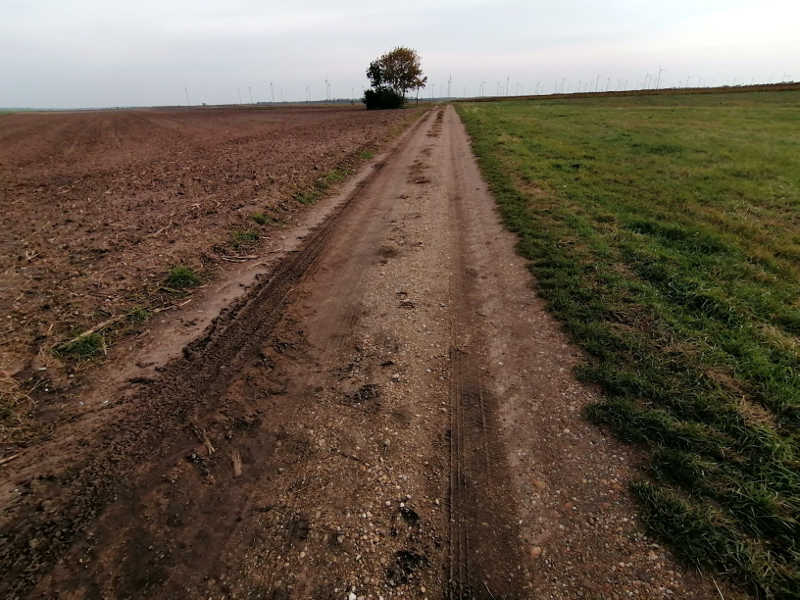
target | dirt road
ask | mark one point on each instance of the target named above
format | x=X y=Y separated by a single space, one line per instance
x=390 y=414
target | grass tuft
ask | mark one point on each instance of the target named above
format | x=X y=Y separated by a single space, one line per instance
x=321 y=186
x=85 y=347
x=307 y=197
x=262 y=219
x=180 y=277
x=244 y=238
x=138 y=314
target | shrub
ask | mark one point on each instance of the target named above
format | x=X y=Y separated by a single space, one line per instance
x=382 y=98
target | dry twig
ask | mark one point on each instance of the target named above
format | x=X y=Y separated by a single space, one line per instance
x=8 y=459
x=95 y=329
x=236 y=460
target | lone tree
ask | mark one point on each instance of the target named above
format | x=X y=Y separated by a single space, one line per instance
x=392 y=76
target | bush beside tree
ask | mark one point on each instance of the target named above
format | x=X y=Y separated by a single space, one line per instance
x=391 y=76
x=381 y=98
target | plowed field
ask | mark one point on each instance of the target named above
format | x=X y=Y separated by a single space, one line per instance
x=100 y=205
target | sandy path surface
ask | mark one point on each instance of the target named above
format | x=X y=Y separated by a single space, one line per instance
x=390 y=414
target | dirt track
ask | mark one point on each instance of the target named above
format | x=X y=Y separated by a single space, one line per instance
x=391 y=413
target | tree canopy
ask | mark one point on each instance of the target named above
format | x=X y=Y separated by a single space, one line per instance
x=399 y=70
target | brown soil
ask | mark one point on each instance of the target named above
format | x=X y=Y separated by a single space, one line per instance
x=98 y=206
x=388 y=413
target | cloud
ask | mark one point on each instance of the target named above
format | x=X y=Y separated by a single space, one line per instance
x=92 y=53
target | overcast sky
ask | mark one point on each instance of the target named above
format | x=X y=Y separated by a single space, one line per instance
x=81 y=53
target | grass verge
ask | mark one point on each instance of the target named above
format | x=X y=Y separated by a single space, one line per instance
x=663 y=232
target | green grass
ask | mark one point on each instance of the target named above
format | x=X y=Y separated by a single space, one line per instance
x=321 y=186
x=307 y=197
x=664 y=232
x=180 y=277
x=244 y=238
x=138 y=314
x=85 y=347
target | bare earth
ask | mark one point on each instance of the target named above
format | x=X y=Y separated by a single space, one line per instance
x=99 y=205
x=384 y=411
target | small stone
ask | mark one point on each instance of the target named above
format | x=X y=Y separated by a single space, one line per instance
x=536 y=552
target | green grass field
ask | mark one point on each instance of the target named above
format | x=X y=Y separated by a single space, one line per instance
x=664 y=231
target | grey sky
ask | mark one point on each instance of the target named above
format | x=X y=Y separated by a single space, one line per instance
x=78 y=53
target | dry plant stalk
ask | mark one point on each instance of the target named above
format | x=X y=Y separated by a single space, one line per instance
x=236 y=460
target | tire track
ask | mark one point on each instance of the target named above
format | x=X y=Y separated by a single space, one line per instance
x=484 y=550
x=459 y=534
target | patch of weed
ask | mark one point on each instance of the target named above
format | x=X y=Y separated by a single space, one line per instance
x=180 y=277
x=84 y=347
x=243 y=239
x=262 y=219
x=138 y=314
x=332 y=177
x=307 y=197
x=321 y=186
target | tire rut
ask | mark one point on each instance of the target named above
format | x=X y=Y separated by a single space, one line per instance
x=484 y=557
